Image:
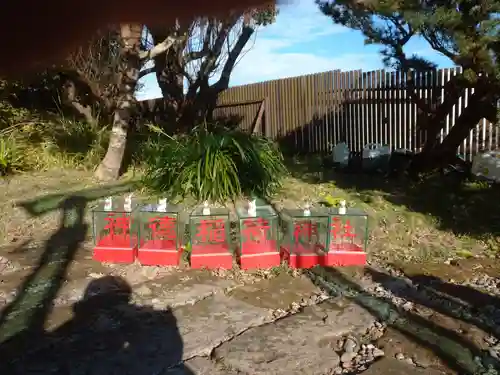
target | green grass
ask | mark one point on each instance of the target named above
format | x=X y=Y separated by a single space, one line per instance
x=431 y=221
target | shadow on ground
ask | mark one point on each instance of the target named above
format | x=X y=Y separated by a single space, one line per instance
x=464 y=208
x=454 y=348
x=107 y=333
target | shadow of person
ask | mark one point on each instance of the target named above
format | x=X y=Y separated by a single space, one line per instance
x=107 y=335
x=23 y=320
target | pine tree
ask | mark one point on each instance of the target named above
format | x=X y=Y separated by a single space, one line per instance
x=467 y=32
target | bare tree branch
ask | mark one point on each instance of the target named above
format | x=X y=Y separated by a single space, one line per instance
x=159 y=48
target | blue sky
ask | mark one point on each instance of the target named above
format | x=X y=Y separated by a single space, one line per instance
x=303 y=41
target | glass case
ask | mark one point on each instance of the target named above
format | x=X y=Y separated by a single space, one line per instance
x=115 y=230
x=305 y=236
x=348 y=237
x=159 y=234
x=258 y=236
x=209 y=233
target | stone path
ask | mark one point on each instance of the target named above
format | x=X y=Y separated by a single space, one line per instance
x=200 y=322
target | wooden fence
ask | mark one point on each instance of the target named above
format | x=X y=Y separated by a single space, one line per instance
x=313 y=112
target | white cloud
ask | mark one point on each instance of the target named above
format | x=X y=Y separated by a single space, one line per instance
x=281 y=49
x=264 y=62
x=300 y=23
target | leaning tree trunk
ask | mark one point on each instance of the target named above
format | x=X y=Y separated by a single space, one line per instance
x=110 y=167
x=479 y=107
x=439 y=154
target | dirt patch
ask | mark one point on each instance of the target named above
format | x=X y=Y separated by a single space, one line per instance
x=392 y=366
x=398 y=346
x=458 y=270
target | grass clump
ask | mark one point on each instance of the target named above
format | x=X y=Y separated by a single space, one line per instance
x=213 y=162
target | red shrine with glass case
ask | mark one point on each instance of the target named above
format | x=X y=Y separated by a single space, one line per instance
x=348 y=237
x=159 y=235
x=258 y=246
x=324 y=237
x=209 y=237
x=305 y=237
x=113 y=229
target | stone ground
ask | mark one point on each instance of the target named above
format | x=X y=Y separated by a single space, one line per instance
x=227 y=322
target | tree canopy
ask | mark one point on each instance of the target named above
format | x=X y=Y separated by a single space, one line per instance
x=464 y=31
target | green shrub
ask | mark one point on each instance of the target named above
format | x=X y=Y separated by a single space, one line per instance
x=58 y=143
x=41 y=140
x=213 y=163
x=11 y=156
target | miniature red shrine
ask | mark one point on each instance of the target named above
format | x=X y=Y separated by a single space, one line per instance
x=159 y=243
x=324 y=237
x=209 y=233
x=348 y=238
x=258 y=246
x=114 y=239
x=305 y=237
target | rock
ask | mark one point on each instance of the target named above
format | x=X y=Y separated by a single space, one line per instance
x=143 y=291
x=374 y=333
x=409 y=361
x=350 y=345
x=378 y=353
x=423 y=362
x=347 y=365
x=494 y=353
x=490 y=340
x=400 y=356
x=407 y=306
x=348 y=357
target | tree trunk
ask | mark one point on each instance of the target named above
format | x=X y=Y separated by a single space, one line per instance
x=479 y=107
x=69 y=97
x=481 y=104
x=110 y=167
x=431 y=117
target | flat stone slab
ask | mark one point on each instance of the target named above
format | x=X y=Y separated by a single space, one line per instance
x=215 y=320
x=298 y=344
